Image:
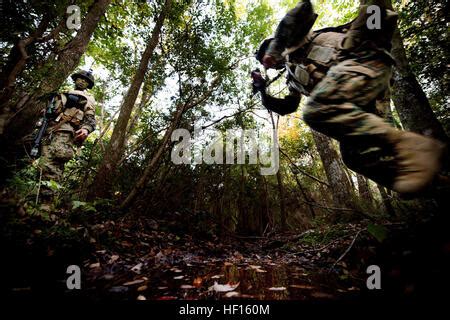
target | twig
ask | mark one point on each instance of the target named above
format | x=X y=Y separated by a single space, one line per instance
x=346 y=251
x=302 y=171
x=39 y=186
x=315 y=204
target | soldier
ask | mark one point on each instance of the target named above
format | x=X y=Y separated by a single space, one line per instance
x=344 y=70
x=72 y=121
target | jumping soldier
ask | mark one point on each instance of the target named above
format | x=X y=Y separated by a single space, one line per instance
x=344 y=70
x=70 y=123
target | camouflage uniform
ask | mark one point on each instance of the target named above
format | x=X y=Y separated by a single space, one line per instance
x=58 y=146
x=343 y=107
x=342 y=103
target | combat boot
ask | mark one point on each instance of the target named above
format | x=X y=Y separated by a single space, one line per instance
x=419 y=161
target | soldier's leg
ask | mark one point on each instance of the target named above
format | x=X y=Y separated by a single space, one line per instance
x=338 y=107
x=56 y=152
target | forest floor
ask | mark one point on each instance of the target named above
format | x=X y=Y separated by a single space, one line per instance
x=137 y=258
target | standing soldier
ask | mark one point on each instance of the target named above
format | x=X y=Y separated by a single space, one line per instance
x=71 y=120
x=344 y=71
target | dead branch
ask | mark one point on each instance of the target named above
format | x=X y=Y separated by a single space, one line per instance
x=346 y=251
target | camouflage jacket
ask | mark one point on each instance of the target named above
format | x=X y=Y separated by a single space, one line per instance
x=74 y=110
x=310 y=59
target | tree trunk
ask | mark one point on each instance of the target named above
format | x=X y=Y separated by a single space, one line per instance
x=149 y=170
x=268 y=212
x=337 y=179
x=114 y=151
x=146 y=95
x=363 y=189
x=282 y=200
x=308 y=201
x=243 y=227
x=409 y=99
x=17 y=61
x=386 y=201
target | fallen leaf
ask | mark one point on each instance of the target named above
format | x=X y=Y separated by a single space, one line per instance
x=142 y=288
x=178 y=277
x=95 y=265
x=301 y=286
x=163 y=288
x=223 y=287
x=141 y=298
x=113 y=258
x=232 y=294
x=260 y=270
x=255 y=267
x=167 y=298
x=187 y=286
x=137 y=268
x=131 y=283
x=218 y=276
x=108 y=276
x=277 y=289
x=198 y=282
x=353 y=289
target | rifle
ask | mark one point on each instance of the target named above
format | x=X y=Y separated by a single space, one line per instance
x=257 y=85
x=43 y=128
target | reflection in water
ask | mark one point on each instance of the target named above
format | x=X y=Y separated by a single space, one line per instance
x=268 y=282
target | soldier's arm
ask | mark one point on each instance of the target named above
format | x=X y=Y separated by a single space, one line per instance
x=282 y=106
x=291 y=30
x=89 y=123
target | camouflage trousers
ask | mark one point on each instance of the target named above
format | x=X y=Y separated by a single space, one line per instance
x=57 y=150
x=343 y=106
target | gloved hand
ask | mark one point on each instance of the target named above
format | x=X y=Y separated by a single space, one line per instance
x=259 y=83
x=80 y=136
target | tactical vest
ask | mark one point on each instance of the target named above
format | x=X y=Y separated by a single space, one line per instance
x=309 y=62
x=307 y=66
x=71 y=108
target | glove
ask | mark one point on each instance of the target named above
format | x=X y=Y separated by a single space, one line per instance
x=80 y=136
x=259 y=83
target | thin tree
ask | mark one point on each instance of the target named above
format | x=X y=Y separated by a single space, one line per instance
x=115 y=148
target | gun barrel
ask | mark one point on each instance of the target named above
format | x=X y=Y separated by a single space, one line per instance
x=40 y=135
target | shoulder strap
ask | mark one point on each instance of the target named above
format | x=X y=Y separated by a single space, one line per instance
x=339 y=29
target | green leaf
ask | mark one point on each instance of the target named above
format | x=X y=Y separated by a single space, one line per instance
x=379 y=232
x=84 y=206
x=77 y=204
x=52 y=184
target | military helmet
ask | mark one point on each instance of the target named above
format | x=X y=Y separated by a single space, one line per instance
x=263 y=47
x=259 y=54
x=86 y=75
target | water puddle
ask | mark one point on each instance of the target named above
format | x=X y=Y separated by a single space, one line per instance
x=225 y=280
